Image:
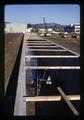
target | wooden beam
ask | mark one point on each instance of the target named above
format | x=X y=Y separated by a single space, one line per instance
x=37 y=42
x=45 y=50
x=50 y=98
x=51 y=56
x=42 y=46
x=68 y=101
x=52 y=67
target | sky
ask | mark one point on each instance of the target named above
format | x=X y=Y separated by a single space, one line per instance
x=63 y=14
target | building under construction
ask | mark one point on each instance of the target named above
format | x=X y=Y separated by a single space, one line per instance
x=47 y=81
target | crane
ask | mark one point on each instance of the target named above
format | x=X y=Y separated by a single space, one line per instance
x=45 y=26
x=45 y=32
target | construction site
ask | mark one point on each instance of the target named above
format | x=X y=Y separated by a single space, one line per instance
x=42 y=72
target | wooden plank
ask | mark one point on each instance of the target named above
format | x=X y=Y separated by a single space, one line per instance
x=51 y=56
x=52 y=67
x=46 y=50
x=35 y=40
x=39 y=43
x=42 y=46
x=68 y=101
x=50 y=98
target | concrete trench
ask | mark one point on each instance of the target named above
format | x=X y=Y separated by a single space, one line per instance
x=66 y=79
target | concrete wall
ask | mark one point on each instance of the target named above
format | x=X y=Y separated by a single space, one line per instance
x=15 y=27
x=20 y=102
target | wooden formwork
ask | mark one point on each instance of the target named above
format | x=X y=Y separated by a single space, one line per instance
x=56 y=98
x=67 y=98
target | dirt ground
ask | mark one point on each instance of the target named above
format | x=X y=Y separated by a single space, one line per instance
x=69 y=42
x=12 y=43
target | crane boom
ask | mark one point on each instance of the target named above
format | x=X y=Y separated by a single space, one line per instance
x=45 y=23
x=45 y=26
x=45 y=32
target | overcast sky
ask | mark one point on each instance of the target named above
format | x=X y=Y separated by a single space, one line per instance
x=60 y=13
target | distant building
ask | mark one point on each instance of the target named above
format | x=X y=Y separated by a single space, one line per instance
x=50 y=29
x=41 y=30
x=76 y=27
x=59 y=29
x=29 y=29
x=72 y=28
x=15 y=27
x=69 y=28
